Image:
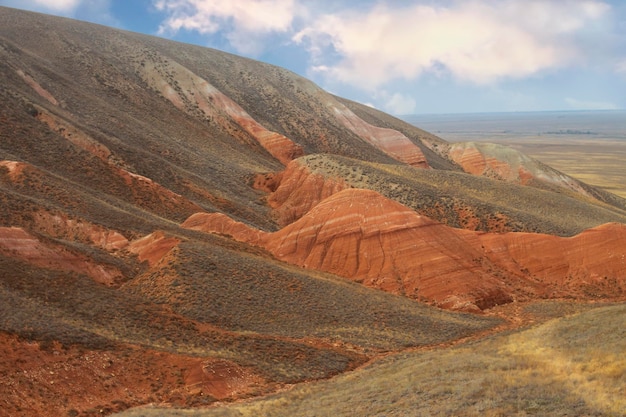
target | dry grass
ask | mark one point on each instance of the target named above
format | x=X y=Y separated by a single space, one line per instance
x=568 y=366
x=584 y=354
x=467 y=201
x=289 y=324
x=599 y=162
x=252 y=294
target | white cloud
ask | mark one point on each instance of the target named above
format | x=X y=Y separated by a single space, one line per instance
x=378 y=47
x=398 y=103
x=479 y=41
x=242 y=21
x=58 y=5
x=97 y=11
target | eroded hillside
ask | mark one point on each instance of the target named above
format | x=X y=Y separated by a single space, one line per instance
x=119 y=151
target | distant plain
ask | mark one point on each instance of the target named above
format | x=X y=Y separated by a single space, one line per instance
x=588 y=145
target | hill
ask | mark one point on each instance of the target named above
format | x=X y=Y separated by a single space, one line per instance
x=119 y=151
x=550 y=370
x=363 y=236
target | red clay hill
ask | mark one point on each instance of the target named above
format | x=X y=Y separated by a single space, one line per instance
x=363 y=236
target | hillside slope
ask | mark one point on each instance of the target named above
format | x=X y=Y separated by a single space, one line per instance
x=363 y=236
x=110 y=141
x=554 y=369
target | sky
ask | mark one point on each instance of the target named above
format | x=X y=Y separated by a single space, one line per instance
x=404 y=57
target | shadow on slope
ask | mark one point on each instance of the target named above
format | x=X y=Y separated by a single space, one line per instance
x=363 y=236
x=246 y=292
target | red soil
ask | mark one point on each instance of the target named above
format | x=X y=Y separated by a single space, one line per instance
x=221 y=224
x=220 y=378
x=390 y=141
x=507 y=164
x=268 y=182
x=194 y=91
x=17 y=243
x=140 y=184
x=74 y=135
x=15 y=169
x=589 y=265
x=145 y=191
x=61 y=226
x=153 y=247
x=363 y=236
x=299 y=191
x=49 y=380
x=279 y=146
x=37 y=87
x=359 y=234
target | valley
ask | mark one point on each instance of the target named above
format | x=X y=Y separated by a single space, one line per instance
x=548 y=369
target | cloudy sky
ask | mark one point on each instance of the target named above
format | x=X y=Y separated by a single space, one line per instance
x=404 y=57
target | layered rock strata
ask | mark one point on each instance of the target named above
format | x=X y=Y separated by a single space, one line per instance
x=361 y=235
x=190 y=93
x=507 y=164
x=299 y=191
x=17 y=243
x=391 y=142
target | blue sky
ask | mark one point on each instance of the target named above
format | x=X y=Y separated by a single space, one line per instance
x=404 y=57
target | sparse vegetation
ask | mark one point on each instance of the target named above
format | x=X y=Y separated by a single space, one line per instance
x=138 y=339
x=568 y=366
x=466 y=201
x=241 y=292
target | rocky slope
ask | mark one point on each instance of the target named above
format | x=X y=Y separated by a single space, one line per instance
x=360 y=235
x=118 y=151
x=452 y=198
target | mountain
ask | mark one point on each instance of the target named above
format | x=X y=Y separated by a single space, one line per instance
x=183 y=226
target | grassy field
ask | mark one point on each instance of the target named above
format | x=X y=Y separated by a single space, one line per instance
x=596 y=162
x=567 y=366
